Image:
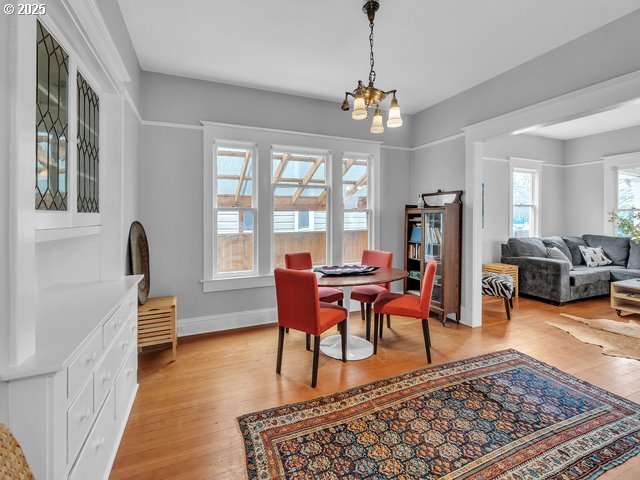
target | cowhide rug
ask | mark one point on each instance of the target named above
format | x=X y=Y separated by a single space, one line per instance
x=618 y=338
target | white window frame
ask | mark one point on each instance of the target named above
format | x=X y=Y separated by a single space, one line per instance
x=326 y=186
x=266 y=140
x=212 y=263
x=71 y=218
x=612 y=163
x=370 y=197
x=530 y=166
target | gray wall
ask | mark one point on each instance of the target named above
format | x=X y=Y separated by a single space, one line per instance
x=496 y=182
x=605 y=53
x=584 y=188
x=4 y=207
x=169 y=98
x=171 y=187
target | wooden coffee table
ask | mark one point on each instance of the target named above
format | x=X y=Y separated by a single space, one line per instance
x=625 y=296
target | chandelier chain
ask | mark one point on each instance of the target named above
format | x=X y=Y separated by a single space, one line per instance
x=372 y=73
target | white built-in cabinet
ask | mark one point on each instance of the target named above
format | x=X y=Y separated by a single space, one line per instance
x=69 y=402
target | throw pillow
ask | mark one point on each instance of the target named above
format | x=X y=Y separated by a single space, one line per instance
x=594 y=256
x=556 y=254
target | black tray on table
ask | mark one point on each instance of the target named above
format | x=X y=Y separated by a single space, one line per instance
x=339 y=270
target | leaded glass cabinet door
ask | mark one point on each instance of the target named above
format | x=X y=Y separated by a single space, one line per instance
x=434 y=238
x=52 y=115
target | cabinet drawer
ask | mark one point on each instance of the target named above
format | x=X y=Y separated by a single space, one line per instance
x=131 y=303
x=126 y=382
x=79 y=420
x=94 y=456
x=112 y=326
x=81 y=367
x=106 y=372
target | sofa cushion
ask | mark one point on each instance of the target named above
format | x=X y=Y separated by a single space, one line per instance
x=618 y=274
x=573 y=243
x=616 y=248
x=634 y=255
x=527 y=247
x=583 y=275
x=556 y=254
x=558 y=243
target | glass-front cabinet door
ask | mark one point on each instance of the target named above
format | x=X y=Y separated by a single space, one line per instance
x=434 y=248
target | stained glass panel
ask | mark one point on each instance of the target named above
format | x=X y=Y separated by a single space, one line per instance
x=52 y=102
x=88 y=148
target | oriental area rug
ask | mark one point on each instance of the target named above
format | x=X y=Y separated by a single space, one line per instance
x=497 y=416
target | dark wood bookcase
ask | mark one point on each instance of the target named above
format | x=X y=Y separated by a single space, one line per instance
x=435 y=232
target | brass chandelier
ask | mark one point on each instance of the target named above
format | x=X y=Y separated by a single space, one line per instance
x=369 y=96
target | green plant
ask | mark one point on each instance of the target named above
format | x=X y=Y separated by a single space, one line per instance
x=628 y=224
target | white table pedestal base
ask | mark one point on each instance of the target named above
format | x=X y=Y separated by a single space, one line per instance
x=357 y=348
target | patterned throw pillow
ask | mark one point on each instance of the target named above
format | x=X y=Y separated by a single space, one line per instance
x=556 y=254
x=594 y=256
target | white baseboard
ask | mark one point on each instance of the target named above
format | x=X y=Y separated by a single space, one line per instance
x=229 y=321
x=225 y=321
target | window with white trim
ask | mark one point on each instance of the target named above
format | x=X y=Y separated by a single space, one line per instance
x=627 y=189
x=234 y=209
x=299 y=204
x=524 y=202
x=356 y=205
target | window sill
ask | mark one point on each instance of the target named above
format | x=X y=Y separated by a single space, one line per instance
x=237 y=283
x=48 y=235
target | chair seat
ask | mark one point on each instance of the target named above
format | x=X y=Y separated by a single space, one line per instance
x=367 y=293
x=398 y=304
x=330 y=315
x=329 y=294
x=497 y=285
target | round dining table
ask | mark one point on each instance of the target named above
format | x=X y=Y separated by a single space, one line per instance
x=358 y=348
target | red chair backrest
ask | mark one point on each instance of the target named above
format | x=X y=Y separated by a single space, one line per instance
x=298 y=261
x=427 y=287
x=378 y=258
x=297 y=298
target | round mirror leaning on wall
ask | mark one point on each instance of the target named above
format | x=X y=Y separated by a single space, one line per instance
x=139 y=259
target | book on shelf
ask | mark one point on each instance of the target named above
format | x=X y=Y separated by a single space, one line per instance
x=416 y=234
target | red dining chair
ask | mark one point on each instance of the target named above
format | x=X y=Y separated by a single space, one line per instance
x=300 y=309
x=367 y=294
x=408 y=306
x=302 y=261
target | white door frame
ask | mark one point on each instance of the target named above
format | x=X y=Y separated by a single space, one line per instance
x=579 y=103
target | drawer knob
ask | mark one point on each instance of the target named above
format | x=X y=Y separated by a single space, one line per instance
x=91 y=358
x=129 y=372
x=85 y=416
x=106 y=378
x=99 y=443
x=124 y=345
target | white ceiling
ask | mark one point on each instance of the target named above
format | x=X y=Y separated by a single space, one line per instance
x=624 y=116
x=428 y=50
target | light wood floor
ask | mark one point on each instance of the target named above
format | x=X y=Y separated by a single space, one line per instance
x=183 y=423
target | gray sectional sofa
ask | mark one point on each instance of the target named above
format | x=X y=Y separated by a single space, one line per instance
x=558 y=281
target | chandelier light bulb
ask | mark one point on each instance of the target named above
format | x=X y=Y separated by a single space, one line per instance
x=377 y=126
x=359 y=108
x=394 y=120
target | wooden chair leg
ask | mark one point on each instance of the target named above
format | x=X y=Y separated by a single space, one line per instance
x=388 y=320
x=427 y=338
x=381 y=327
x=280 y=345
x=368 y=315
x=308 y=335
x=506 y=307
x=316 y=355
x=362 y=310
x=511 y=302
x=287 y=329
x=375 y=337
x=340 y=303
x=343 y=339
